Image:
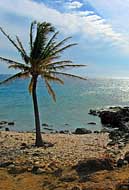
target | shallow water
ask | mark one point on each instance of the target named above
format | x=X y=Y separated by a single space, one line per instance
x=74 y=99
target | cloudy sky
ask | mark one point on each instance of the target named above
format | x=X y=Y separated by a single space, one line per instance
x=100 y=27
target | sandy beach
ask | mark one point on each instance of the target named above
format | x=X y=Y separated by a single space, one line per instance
x=54 y=165
x=68 y=149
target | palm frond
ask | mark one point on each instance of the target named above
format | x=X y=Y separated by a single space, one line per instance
x=63 y=48
x=31 y=85
x=16 y=76
x=9 y=61
x=59 y=62
x=24 y=54
x=68 y=75
x=15 y=45
x=65 y=66
x=54 y=47
x=22 y=67
x=50 y=90
x=60 y=43
x=31 y=34
x=51 y=40
x=42 y=31
x=9 y=38
x=52 y=78
x=47 y=60
x=49 y=45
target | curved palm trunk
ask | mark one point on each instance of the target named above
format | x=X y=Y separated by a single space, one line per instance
x=39 y=141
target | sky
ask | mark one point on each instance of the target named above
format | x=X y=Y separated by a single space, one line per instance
x=100 y=27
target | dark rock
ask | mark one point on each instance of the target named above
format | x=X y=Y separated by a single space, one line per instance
x=80 y=131
x=96 y=132
x=126 y=119
x=112 y=118
x=3 y=122
x=11 y=123
x=61 y=132
x=108 y=117
x=49 y=129
x=34 y=169
x=123 y=186
x=64 y=132
x=66 y=124
x=76 y=188
x=127 y=136
x=115 y=117
x=17 y=170
x=58 y=172
x=23 y=144
x=45 y=125
x=91 y=123
x=37 y=170
x=105 y=130
x=116 y=134
x=94 y=164
x=40 y=171
x=68 y=179
x=125 y=162
x=112 y=143
x=121 y=145
x=5 y=164
x=7 y=129
x=35 y=154
x=126 y=157
x=120 y=162
x=93 y=112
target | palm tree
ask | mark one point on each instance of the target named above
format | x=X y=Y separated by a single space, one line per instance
x=43 y=60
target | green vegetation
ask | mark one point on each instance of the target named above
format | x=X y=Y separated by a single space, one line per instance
x=44 y=60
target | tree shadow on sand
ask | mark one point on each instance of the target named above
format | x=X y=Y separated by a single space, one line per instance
x=87 y=167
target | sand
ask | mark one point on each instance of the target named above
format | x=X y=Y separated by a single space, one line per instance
x=17 y=148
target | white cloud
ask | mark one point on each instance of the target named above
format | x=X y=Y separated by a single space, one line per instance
x=115 y=11
x=74 y=5
x=85 y=13
x=85 y=23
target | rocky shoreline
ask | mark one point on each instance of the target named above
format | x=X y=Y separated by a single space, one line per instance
x=115 y=121
x=82 y=160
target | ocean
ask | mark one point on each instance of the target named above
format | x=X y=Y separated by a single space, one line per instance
x=74 y=100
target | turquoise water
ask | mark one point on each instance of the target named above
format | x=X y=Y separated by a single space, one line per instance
x=74 y=99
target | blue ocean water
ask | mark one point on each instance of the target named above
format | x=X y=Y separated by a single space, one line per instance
x=74 y=100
